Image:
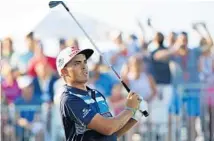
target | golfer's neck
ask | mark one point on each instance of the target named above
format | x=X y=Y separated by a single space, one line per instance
x=81 y=86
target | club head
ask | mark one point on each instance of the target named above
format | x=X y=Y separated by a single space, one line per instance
x=54 y=3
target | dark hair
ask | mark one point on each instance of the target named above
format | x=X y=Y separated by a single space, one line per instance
x=62 y=41
x=184 y=33
x=30 y=35
x=133 y=37
x=160 y=38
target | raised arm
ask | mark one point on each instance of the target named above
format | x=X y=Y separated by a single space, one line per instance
x=149 y=23
x=166 y=53
x=108 y=126
x=142 y=29
x=208 y=39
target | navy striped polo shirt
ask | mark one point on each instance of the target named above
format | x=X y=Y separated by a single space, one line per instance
x=77 y=108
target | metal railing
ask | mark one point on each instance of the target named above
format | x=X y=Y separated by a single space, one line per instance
x=47 y=123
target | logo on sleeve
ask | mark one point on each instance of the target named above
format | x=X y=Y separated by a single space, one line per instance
x=85 y=112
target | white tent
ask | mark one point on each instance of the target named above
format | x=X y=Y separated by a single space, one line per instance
x=59 y=24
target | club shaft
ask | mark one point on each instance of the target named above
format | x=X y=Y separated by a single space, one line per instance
x=92 y=42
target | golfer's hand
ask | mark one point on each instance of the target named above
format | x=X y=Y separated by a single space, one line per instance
x=133 y=100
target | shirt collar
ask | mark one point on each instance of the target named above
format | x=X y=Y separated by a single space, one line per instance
x=77 y=90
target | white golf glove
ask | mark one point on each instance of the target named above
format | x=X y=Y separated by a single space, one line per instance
x=138 y=115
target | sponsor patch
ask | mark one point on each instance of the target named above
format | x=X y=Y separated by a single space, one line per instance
x=85 y=112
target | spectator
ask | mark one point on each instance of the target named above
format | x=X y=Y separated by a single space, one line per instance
x=62 y=44
x=57 y=127
x=7 y=129
x=133 y=46
x=206 y=61
x=171 y=39
x=138 y=79
x=117 y=99
x=38 y=57
x=72 y=42
x=44 y=81
x=21 y=61
x=28 y=108
x=102 y=81
x=206 y=69
x=9 y=84
x=7 y=49
x=119 y=55
x=161 y=71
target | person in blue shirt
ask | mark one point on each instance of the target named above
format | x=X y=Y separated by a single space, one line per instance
x=102 y=81
x=84 y=111
x=28 y=110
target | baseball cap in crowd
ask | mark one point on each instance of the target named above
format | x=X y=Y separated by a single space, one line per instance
x=67 y=54
x=24 y=81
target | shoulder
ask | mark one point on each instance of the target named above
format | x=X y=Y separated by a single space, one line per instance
x=69 y=98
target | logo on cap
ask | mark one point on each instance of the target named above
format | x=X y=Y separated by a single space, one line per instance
x=60 y=62
x=74 y=50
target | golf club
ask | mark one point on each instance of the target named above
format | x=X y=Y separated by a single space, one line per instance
x=53 y=4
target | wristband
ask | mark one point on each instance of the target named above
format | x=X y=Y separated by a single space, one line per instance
x=137 y=116
x=131 y=109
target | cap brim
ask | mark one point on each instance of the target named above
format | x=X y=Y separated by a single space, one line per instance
x=87 y=52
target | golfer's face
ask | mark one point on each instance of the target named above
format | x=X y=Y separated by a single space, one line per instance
x=77 y=69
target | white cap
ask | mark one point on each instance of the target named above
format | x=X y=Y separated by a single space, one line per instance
x=67 y=54
x=24 y=81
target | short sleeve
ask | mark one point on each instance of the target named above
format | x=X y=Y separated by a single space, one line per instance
x=79 y=110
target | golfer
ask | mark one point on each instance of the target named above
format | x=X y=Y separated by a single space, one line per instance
x=84 y=111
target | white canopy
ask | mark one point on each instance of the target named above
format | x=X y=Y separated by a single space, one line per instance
x=97 y=17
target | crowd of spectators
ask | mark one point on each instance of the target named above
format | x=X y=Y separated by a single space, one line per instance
x=155 y=69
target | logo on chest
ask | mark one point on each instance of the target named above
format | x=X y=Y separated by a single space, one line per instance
x=85 y=112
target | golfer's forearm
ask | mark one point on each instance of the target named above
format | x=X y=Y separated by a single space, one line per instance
x=125 y=128
x=119 y=121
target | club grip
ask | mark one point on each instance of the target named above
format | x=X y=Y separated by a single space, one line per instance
x=126 y=87
x=145 y=113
